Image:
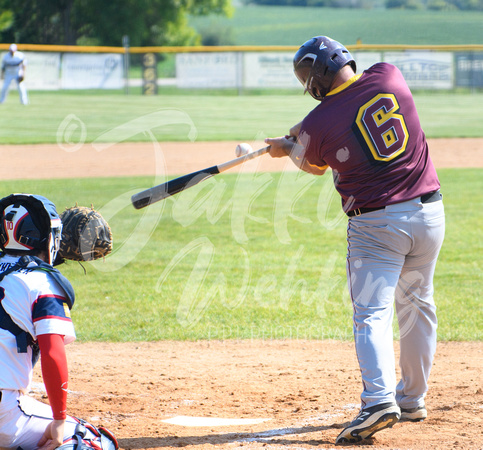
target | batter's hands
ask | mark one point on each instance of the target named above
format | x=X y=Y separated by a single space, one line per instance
x=280 y=146
x=285 y=146
x=288 y=146
x=53 y=435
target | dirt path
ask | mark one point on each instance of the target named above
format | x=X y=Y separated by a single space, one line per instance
x=52 y=161
x=304 y=391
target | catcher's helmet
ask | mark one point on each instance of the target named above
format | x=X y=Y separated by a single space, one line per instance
x=317 y=62
x=29 y=223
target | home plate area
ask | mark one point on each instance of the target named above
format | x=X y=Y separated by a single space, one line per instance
x=265 y=436
x=259 y=394
x=186 y=421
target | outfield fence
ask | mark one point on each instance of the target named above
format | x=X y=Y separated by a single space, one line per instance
x=53 y=67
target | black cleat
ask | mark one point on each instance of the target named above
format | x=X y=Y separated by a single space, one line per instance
x=368 y=422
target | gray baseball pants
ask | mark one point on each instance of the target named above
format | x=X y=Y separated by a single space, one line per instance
x=391 y=259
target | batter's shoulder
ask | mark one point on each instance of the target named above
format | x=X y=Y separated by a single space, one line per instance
x=383 y=67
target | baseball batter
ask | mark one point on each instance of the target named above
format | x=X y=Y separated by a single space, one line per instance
x=13 y=69
x=35 y=303
x=366 y=129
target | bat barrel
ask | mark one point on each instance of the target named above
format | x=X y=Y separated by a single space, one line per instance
x=171 y=187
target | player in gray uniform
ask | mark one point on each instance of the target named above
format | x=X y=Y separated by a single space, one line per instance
x=366 y=129
x=13 y=69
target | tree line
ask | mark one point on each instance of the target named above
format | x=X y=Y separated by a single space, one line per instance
x=104 y=22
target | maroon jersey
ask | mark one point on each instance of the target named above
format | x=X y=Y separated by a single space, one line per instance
x=368 y=132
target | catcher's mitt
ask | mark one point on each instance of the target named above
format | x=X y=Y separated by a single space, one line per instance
x=85 y=235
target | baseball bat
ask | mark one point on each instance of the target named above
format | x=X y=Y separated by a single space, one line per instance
x=171 y=187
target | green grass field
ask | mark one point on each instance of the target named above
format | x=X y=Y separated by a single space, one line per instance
x=238 y=256
x=72 y=117
x=280 y=25
x=275 y=25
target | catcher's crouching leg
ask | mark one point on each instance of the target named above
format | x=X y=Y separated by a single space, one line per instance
x=88 y=437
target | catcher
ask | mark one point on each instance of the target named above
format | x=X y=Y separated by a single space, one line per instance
x=35 y=304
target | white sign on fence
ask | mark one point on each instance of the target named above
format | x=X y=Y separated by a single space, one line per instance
x=207 y=70
x=364 y=60
x=92 y=71
x=43 y=70
x=269 y=69
x=424 y=69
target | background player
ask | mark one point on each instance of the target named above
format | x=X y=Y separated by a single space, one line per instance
x=13 y=68
x=366 y=129
x=35 y=300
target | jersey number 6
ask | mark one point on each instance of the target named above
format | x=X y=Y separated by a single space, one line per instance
x=383 y=130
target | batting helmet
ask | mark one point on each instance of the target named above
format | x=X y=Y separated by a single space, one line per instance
x=317 y=62
x=29 y=223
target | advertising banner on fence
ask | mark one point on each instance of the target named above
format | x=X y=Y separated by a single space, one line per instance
x=424 y=69
x=207 y=70
x=469 y=69
x=364 y=60
x=43 y=71
x=269 y=70
x=92 y=71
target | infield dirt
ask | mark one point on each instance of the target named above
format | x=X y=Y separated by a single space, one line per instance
x=177 y=158
x=306 y=390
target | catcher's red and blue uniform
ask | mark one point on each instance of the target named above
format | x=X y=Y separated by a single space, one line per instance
x=34 y=303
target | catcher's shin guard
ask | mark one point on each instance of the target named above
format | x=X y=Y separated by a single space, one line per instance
x=88 y=437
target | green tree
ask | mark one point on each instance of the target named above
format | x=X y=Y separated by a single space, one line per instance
x=6 y=20
x=104 y=22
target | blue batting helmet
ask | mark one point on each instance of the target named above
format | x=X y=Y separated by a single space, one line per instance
x=318 y=61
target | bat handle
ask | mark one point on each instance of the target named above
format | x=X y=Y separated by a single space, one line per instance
x=237 y=161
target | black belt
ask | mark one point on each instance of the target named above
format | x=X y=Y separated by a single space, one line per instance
x=426 y=198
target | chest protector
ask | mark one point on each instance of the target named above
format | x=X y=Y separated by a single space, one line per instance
x=22 y=337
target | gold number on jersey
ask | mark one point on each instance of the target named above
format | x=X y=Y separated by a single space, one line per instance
x=383 y=129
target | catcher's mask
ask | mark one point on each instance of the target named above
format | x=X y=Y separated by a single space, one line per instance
x=29 y=223
x=317 y=62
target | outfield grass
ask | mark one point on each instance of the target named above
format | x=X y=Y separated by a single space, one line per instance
x=239 y=256
x=276 y=25
x=72 y=117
